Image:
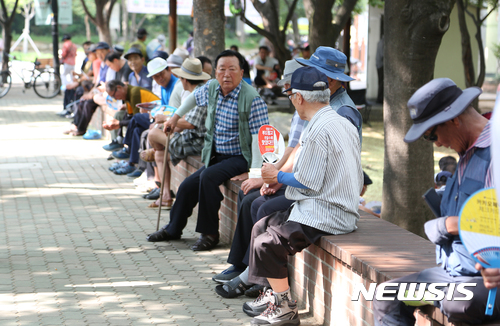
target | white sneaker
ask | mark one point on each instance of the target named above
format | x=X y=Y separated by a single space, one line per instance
x=141 y=180
x=259 y=305
x=283 y=314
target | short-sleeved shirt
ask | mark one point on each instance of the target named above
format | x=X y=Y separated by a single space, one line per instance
x=144 y=80
x=296 y=128
x=226 y=132
x=329 y=164
x=270 y=62
x=123 y=73
x=177 y=95
x=166 y=92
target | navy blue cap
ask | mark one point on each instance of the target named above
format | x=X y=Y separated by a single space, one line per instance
x=161 y=54
x=133 y=50
x=102 y=46
x=304 y=79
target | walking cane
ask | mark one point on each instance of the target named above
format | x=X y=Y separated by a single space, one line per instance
x=162 y=186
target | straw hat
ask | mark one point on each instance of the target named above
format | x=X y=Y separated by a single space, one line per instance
x=191 y=69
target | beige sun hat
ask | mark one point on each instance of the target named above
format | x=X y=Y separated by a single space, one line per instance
x=191 y=69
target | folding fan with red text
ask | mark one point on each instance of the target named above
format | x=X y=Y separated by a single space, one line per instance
x=271 y=144
x=479 y=229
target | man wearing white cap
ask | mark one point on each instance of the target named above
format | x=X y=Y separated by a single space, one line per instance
x=161 y=73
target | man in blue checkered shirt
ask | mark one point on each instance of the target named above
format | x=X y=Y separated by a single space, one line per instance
x=235 y=112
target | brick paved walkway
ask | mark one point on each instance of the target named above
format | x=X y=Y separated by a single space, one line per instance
x=73 y=249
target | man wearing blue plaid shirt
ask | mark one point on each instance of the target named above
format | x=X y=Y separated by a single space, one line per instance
x=235 y=112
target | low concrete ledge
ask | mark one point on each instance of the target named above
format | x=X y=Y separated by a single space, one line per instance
x=322 y=277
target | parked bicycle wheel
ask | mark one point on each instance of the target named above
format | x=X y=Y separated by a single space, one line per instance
x=5 y=82
x=47 y=84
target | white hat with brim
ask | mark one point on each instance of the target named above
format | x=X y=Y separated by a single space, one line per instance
x=290 y=67
x=174 y=61
x=156 y=65
x=436 y=102
x=191 y=69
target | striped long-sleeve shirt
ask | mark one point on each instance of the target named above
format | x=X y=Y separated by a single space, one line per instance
x=329 y=164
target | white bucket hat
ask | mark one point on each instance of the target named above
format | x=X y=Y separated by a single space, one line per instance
x=191 y=69
x=156 y=65
x=174 y=61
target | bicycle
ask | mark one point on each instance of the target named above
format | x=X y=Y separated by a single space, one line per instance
x=45 y=82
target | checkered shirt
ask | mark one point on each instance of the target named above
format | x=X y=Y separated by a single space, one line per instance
x=226 y=118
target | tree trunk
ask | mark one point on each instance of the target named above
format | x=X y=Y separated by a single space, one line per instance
x=269 y=11
x=7 y=41
x=124 y=21
x=87 y=27
x=417 y=28
x=103 y=9
x=468 y=65
x=133 y=27
x=208 y=28
x=6 y=22
x=296 y=31
x=319 y=13
x=324 y=29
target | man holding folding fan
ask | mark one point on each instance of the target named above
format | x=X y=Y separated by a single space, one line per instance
x=442 y=114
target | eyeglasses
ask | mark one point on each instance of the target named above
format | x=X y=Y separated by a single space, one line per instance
x=432 y=137
x=290 y=96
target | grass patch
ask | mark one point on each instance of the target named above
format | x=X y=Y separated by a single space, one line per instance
x=372 y=158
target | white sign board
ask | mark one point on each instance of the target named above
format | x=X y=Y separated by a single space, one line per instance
x=43 y=12
x=184 y=8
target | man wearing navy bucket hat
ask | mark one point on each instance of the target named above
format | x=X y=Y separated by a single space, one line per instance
x=442 y=114
x=325 y=184
x=332 y=63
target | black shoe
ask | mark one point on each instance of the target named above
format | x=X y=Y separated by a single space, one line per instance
x=206 y=242
x=149 y=193
x=255 y=290
x=154 y=195
x=161 y=235
x=232 y=289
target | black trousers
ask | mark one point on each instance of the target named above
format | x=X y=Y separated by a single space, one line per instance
x=240 y=253
x=139 y=123
x=273 y=240
x=243 y=231
x=202 y=188
x=84 y=114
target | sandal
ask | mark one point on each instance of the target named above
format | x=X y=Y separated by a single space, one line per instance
x=164 y=205
x=148 y=155
x=205 y=242
x=232 y=289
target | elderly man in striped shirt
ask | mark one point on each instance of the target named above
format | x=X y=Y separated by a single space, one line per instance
x=326 y=182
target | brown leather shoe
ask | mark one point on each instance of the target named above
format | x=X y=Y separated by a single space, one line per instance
x=77 y=133
x=206 y=242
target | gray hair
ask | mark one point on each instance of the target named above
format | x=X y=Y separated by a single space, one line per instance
x=315 y=96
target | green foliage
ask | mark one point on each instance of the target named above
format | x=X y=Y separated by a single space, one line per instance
x=496 y=50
